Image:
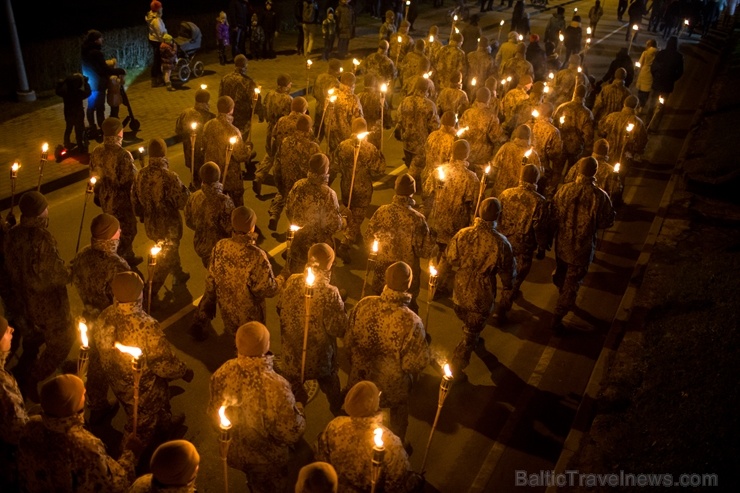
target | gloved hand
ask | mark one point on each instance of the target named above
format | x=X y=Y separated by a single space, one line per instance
x=189 y=374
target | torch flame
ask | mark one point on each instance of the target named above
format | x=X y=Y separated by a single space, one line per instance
x=341 y=69
x=194 y=125
x=294 y=227
x=310 y=277
x=399 y=38
x=528 y=153
x=661 y=100
x=551 y=75
x=588 y=41
x=441 y=173
x=362 y=135
x=309 y=62
x=378 y=437
x=630 y=127
x=685 y=22
x=93 y=180
x=521 y=37
x=225 y=423
x=130 y=350
x=562 y=119
x=580 y=70
x=638 y=64
x=330 y=91
x=204 y=86
x=454 y=17
x=488 y=169
x=45 y=147
x=588 y=30
x=426 y=75
x=635 y=27
x=474 y=81
x=408 y=2
x=355 y=61
x=616 y=168
x=457 y=31
x=256 y=91
x=82 y=326
x=508 y=79
x=431 y=38
x=375 y=246
x=141 y=150
x=155 y=250
x=546 y=89
x=535 y=114
x=446 y=369
x=15 y=167
x=561 y=38
x=332 y=99
x=462 y=131
x=501 y=23
x=432 y=270
x=383 y=87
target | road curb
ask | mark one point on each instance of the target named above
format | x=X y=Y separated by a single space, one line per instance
x=586 y=411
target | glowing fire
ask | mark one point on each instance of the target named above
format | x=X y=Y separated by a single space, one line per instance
x=294 y=227
x=635 y=27
x=446 y=369
x=441 y=173
x=551 y=75
x=474 y=81
x=399 y=39
x=93 y=180
x=155 y=250
x=15 y=167
x=501 y=23
x=330 y=91
x=528 y=153
x=616 y=168
x=232 y=140
x=224 y=421
x=194 y=125
x=431 y=38
x=580 y=70
x=141 y=150
x=535 y=114
x=562 y=119
x=332 y=99
x=454 y=17
x=488 y=169
x=204 y=86
x=355 y=62
x=661 y=100
x=462 y=131
x=362 y=135
x=638 y=65
x=309 y=62
x=310 y=277
x=45 y=147
x=588 y=30
x=134 y=352
x=256 y=91
x=82 y=326
x=375 y=246
x=561 y=38
x=630 y=127
x=384 y=88
x=432 y=270
x=378 y=437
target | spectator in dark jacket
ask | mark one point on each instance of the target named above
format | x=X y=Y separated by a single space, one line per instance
x=622 y=60
x=536 y=56
x=573 y=38
x=74 y=90
x=270 y=23
x=667 y=68
x=95 y=68
x=635 y=11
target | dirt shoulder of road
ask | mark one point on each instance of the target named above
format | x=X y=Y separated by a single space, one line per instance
x=669 y=402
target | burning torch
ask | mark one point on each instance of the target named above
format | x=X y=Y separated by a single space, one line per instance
x=309 y=62
x=224 y=440
x=360 y=137
x=432 y=288
x=500 y=26
x=383 y=90
x=535 y=115
x=525 y=158
x=482 y=189
x=135 y=354
x=310 y=280
x=255 y=98
x=370 y=259
x=428 y=48
x=629 y=128
x=635 y=27
x=289 y=240
x=378 y=456
x=329 y=99
x=454 y=21
x=142 y=153
x=444 y=388
x=658 y=109
x=84 y=355
x=193 y=135
x=229 y=150
x=152 y=264
x=88 y=191
x=406 y=14
x=13 y=177
x=44 y=157
x=355 y=64
x=399 y=39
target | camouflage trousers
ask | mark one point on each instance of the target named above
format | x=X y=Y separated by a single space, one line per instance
x=168 y=262
x=264 y=168
x=523 y=266
x=199 y=161
x=328 y=384
x=568 y=279
x=154 y=414
x=474 y=323
x=237 y=195
x=416 y=169
x=354 y=222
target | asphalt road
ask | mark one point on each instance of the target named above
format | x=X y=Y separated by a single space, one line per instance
x=524 y=382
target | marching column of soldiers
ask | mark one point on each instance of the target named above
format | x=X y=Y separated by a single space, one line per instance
x=513 y=168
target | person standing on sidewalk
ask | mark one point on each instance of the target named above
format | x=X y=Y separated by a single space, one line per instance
x=345 y=27
x=157 y=30
x=310 y=15
x=94 y=67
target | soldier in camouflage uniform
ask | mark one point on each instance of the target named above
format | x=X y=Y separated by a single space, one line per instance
x=412 y=61
x=126 y=322
x=579 y=210
x=606 y=177
x=479 y=253
x=379 y=65
x=286 y=125
x=344 y=444
x=437 y=150
x=386 y=344
x=115 y=170
x=216 y=135
x=200 y=114
x=267 y=420
x=524 y=222
x=409 y=83
x=388 y=28
x=402 y=234
x=339 y=116
x=13 y=416
x=324 y=82
x=208 y=213
x=508 y=49
x=398 y=50
x=39 y=276
x=328 y=322
x=508 y=162
x=522 y=114
x=480 y=66
x=370 y=164
x=612 y=96
x=312 y=205
x=240 y=88
x=625 y=145
x=517 y=66
x=57 y=453
x=174 y=469
x=92 y=270
x=576 y=130
x=515 y=96
x=417 y=118
x=566 y=81
x=453 y=98
x=484 y=132
x=549 y=147
x=239 y=278
x=371 y=101
x=434 y=45
x=291 y=164
x=450 y=61
x=158 y=196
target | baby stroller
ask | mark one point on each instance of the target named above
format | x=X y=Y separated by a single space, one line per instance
x=188 y=42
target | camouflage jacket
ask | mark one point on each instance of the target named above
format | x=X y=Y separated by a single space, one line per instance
x=516 y=68
x=277 y=105
x=208 y=213
x=291 y=161
x=479 y=252
x=510 y=101
x=578 y=130
x=36 y=270
x=606 y=178
x=450 y=60
x=59 y=454
x=506 y=52
x=522 y=113
x=417 y=119
x=523 y=219
x=345 y=444
x=371 y=101
x=241 y=276
x=403 y=235
x=261 y=407
x=454 y=203
x=411 y=64
x=321 y=87
x=437 y=150
x=387 y=29
x=613 y=128
x=114 y=167
x=13 y=415
x=216 y=135
x=285 y=127
x=483 y=134
x=386 y=344
x=433 y=50
x=398 y=51
x=370 y=163
x=452 y=99
x=158 y=196
x=579 y=209
x=547 y=142
x=201 y=115
x=480 y=67
x=508 y=163
x=147 y=484
x=610 y=99
x=241 y=89
x=92 y=270
x=327 y=323
x=312 y=205
x=130 y=325
x=565 y=85
x=379 y=65
x=339 y=116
